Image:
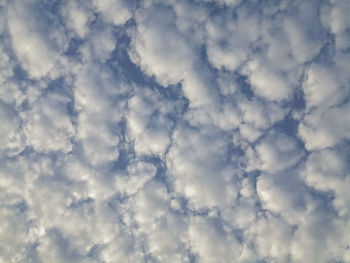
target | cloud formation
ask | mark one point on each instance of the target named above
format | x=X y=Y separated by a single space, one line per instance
x=174 y=131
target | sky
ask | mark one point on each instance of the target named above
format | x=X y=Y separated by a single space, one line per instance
x=190 y=131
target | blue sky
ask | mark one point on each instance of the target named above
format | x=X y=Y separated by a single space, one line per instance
x=174 y=131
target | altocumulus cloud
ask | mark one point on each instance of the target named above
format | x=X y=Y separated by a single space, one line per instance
x=174 y=131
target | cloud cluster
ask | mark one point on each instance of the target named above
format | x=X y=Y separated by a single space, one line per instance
x=174 y=131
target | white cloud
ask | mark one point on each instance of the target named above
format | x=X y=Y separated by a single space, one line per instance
x=6 y=66
x=99 y=45
x=277 y=152
x=10 y=91
x=163 y=51
x=95 y=89
x=273 y=237
x=155 y=43
x=257 y=118
x=48 y=126
x=320 y=238
x=321 y=88
x=228 y=40
x=327 y=171
x=334 y=18
x=174 y=131
x=139 y=173
x=165 y=242
x=211 y=244
x=148 y=124
x=320 y=131
x=12 y=140
x=197 y=155
x=227 y=2
x=14 y=230
x=267 y=83
x=115 y=12
x=304 y=30
x=77 y=16
x=37 y=38
x=149 y=205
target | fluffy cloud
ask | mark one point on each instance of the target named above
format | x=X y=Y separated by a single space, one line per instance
x=37 y=37
x=115 y=12
x=320 y=131
x=148 y=123
x=10 y=133
x=96 y=85
x=76 y=16
x=174 y=131
x=48 y=126
x=334 y=18
x=204 y=236
x=194 y=160
x=321 y=88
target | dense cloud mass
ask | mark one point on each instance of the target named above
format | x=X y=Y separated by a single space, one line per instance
x=190 y=131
